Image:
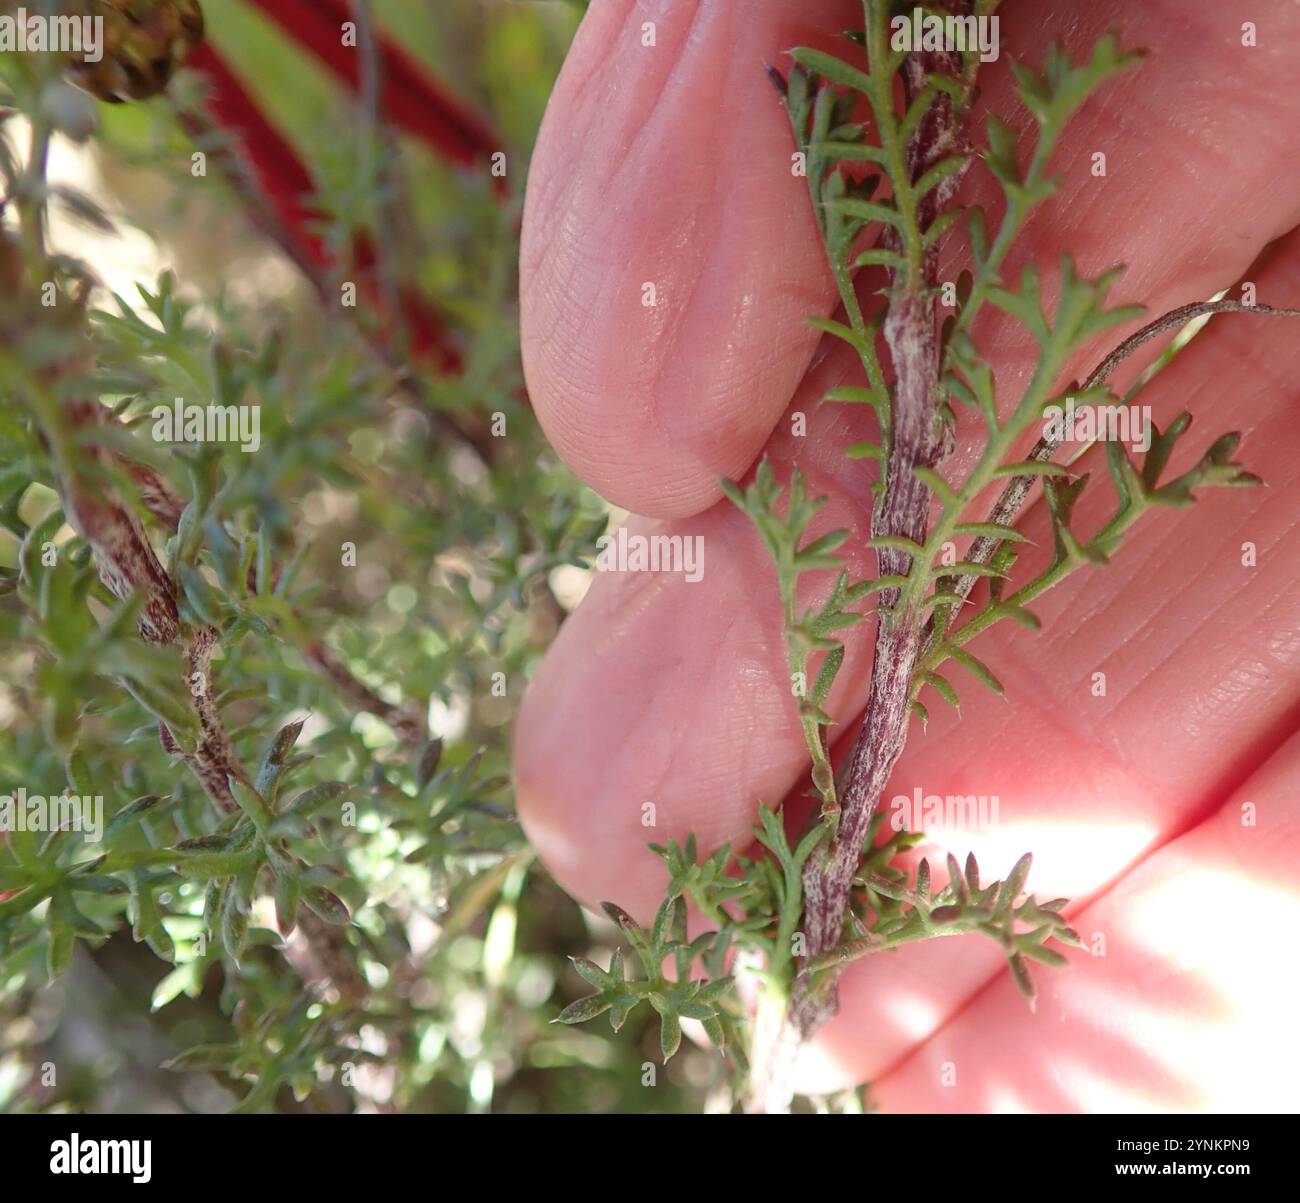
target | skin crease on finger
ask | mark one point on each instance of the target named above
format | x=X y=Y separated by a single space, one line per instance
x=673 y=693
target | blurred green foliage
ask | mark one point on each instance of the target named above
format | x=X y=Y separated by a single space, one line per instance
x=368 y=693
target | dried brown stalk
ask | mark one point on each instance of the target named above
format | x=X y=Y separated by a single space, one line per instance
x=920 y=439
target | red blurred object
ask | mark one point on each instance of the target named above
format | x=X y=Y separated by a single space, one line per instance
x=410 y=99
x=275 y=165
x=272 y=165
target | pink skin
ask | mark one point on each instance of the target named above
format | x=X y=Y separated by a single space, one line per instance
x=662 y=691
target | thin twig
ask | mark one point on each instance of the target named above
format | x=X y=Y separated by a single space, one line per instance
x=1013 y=496
x=920 y=439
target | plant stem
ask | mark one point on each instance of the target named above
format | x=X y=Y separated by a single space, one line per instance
x=1013 y=496
x=30 y=198
x=919 y=439
x=774 y=1046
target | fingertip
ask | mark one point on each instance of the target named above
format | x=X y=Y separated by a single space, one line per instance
x=670 y=258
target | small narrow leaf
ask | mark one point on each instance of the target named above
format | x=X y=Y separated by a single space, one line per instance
x=942 y=687
x=1031 y=467
x=940 y=226
x=670 y=1035
x=591 y=973
x=878 y=257
x=839 y=330
x=584 y=1009
x=989 y=530
x=976 y=667
x=1020 y=974
x=62 y=943
x=941 y=171
x=856 y=395
x=867 y=210
x=896 y=543
x=831 y=68
x=327 y=905
x=965 y=568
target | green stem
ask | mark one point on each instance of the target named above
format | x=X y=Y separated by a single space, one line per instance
x=989 y=273
x=1115 y=528
x=30 y=193
x=881 y=69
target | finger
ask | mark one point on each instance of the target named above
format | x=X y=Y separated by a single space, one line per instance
x=1182 y=1000
x=1196 y=651
x=670 y=166
x=670 y=258
x=664 y=705
x=668 y=703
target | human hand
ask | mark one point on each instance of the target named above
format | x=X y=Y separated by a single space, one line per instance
x=1162 y=808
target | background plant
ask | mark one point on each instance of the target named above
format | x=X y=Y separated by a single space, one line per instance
x=347 y=918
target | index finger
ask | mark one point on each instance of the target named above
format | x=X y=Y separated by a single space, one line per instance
x=667 y=271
